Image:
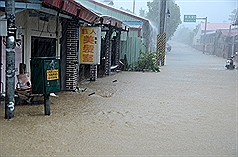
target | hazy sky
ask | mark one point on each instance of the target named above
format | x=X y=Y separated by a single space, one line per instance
x=217 y=11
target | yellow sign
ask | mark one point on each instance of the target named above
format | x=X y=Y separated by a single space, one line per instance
x=52 y=74
x=90 y=45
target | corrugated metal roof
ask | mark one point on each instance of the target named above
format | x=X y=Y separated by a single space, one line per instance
x=134 y=24
x=107 y=20
x=74 y=8
x=211 y=32
x=118 y=10
x=225 y=32
x=230 y=33
x=215 y=26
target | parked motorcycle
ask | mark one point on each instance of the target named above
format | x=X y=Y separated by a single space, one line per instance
x=230 y=63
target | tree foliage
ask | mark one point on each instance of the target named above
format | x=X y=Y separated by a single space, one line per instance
x=147 y=61
x=142 y=12
x=172 y=21
x=127 y=10
x=184 y=35
x=232 y=16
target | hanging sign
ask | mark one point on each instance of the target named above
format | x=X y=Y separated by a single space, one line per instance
x=90 y=45
x=189 y=18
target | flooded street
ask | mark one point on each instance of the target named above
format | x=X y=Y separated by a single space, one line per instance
x=187 y=109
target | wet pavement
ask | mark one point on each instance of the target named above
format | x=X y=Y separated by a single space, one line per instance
x=187 y=109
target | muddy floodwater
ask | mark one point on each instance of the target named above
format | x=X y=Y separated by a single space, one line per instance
x=187 y=109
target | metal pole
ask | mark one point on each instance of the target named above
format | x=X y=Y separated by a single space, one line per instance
x=233 y=42
x=134 y=6
x=10 y=59
x=205 y=31
x=47 y=104
x=233 y=46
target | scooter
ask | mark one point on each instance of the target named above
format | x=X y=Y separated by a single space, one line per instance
x=229 y=63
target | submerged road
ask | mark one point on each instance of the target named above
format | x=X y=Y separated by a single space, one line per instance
x=187 y=109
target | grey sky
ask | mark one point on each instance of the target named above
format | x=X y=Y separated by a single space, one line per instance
x=217 y=11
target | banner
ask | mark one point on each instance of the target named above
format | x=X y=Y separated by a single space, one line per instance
x=90 y=45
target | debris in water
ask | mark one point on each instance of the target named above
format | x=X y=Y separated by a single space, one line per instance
x=80 y=89
x=91 y=94
x=52 y=94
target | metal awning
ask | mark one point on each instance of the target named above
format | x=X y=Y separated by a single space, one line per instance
x=67 y=9
x=134 y=25
x=108 y=20
x=21 y=5
x=73 y=8
x=78 y=10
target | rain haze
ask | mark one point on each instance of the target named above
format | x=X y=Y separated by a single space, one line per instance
x=80 y=78
x=217 y=11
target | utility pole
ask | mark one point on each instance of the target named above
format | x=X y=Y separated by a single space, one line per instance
x=161 y=37
x=162 y=16
x=10 y=59
x=205 y=32
x=134 y=6
x=233 y=43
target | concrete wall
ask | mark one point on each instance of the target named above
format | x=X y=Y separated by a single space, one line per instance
x=33 y=26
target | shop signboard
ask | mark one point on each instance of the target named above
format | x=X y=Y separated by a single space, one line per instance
x=90 y=45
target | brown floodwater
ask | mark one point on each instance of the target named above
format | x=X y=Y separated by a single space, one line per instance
x=187 y=109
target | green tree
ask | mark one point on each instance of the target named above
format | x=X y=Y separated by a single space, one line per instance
x=184 y=35
x=172 y=21
x=109 y=2
x=127 y=10
x=142 y=12
x=232 y=16
x=147 y=62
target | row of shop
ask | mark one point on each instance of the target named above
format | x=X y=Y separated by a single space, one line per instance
x=221 y=39
x=89 y=42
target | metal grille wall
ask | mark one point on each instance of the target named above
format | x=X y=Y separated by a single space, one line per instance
x=93 y=72
x=131 y=48
x=108 y=52
x=118 y=48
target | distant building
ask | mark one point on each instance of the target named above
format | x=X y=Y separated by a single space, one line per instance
x=219 y=39
x=235 y=40
x=211 y=28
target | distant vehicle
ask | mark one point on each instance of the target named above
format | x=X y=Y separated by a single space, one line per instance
x=229 y=63
x=168 y=47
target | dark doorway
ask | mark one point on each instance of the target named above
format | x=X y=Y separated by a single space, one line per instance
x=43 y=47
